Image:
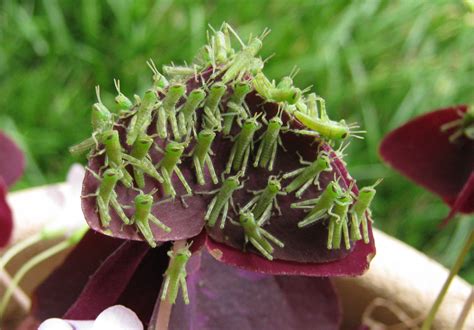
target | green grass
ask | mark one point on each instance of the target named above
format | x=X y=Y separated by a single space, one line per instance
x=376 y=62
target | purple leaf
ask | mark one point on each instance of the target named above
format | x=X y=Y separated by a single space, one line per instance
x=109 y=281
x=59 y=291
x=465 y=200
x=421 y=151
x=185 y=222
x=143 y=289
x=224 y=297
x=356 y=263
x=13 y=162
x=6 y=219
x=306 y=245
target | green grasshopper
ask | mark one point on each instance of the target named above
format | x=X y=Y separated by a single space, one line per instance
x=201 y=156
x=257 y=236
x=212 y=114
x=306 y=175
x=283 y=92
x=262 y=204
x=124 y=105
x=179 y=72
x=320 y=125
x=159 y=81
x=220 y=202
x=167 y=111
x=114 y=155
x=142 y=217
x=266 y=152
x=141 y=162
x=106 y=196
x=142 y=119
x=234 y=106
x=175 y=275
x=168 y=165
x=319 y=207
x=186 y=115
x=464 y=125
x=102 y=120
x=338 y=222
x=359 y=212
x=243 y=144
x=242 y=61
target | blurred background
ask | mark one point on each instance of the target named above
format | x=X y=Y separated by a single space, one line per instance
x=379 y=63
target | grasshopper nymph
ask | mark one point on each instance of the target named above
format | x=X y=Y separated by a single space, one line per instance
x=167 y=111
x=168 y=165
x=235 y=106
x=143 y=216
x=114 y=153
x=359 y=212
x=306 y=175
x=142 y=119
x=141 y=161
x=201 y=156
x=243 y=144
x=257 y=236
x=262 y=204
x=106 y=196
x=338 y=222
x=175 y=275
x=319 y=207
x=266 y=152
x=101 y=120
x=243 y=60
x=187 y=112
x=220 y=202
x=212 y=114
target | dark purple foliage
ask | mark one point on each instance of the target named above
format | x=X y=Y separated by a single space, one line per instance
x=6 y=220
x=108 y=282
x=421 y=151
x=223 y=297
x=12 y=164
x=219 y=293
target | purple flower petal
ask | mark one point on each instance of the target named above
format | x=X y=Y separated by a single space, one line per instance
x=224 y=297
x=6 y=219
x=13 y=162
x=421 y=151
x=109 y=281
x=59 y=291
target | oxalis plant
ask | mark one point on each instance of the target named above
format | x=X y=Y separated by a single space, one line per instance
x=215 y=165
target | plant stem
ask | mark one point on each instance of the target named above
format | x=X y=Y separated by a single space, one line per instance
x=27 y=267
x=164 y=309
x=17 y=248
x=454 y=270
x=465 y=311
x=18 y=294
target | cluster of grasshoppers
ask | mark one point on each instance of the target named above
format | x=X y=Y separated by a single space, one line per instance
x=187 y=120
